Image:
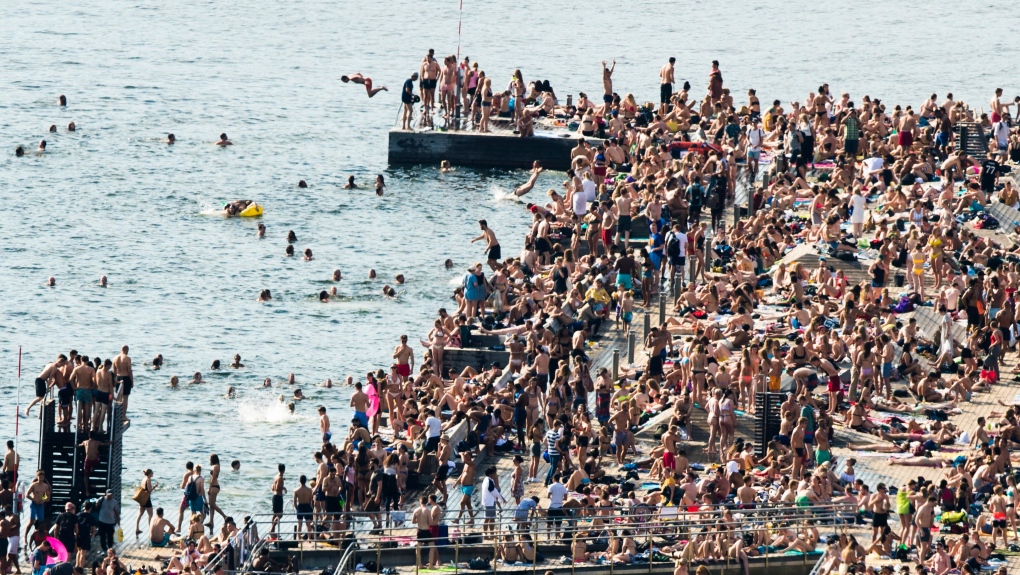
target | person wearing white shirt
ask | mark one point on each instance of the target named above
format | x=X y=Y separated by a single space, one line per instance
x=433 y=429
x=491 y=497
x=1000 y=133
x=557 y=494
x=755 y=139
x=859 y=205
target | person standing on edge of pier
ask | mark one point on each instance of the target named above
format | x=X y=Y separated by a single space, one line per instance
x=429 y=78
x=666 y=88
x=125 y=377
x=492 y=251
x=607 y=88
x=278 y=490
x=407 y=102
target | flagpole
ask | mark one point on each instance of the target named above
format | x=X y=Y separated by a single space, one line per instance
x=17 y=408
x=460 y=19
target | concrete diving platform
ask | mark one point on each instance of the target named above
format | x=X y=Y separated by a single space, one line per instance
x=496 y=149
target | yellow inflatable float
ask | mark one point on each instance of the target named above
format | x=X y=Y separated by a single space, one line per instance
x=242 y=208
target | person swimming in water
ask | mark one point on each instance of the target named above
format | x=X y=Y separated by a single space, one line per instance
x=350 y=185
x=197 y=378
x=327 y=383
x=399 y=279
x=170 y=139
x=231 y=393
x=448 y=264
x=224 y=141
x=298 y=396
x=337 y=275
x=358 y=78
x=102 y=281
x=302 y=184
x=371 y=274
x=262 y=231
x=264 y=295
x=389 y=292
x=235 y=208
x=291 y=237
x=324 y=296
x=308 y=255
x=290 y=250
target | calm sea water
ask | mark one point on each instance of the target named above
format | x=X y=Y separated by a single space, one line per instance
x=110 y=199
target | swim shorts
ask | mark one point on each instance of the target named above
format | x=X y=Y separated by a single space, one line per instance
x=607 y=98
x=753 y=154
x=665 y=91
x=623 y=224
x=431 y=445
x=625 y=281
x=494 y=253
x=404 y=369
x=277 y=504
x=83 y=395
x=304 y=512
x=467 y=490
x=668 y=460
x=127 y=383
x=362 y=418
x=40 y=387
x=90 y=466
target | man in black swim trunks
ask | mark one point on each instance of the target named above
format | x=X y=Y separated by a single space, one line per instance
x=278 y=490
x=666 y=87
x=607 y=85
x=879 y=504
x=125 y=377
x=429 y=75
x=42 y=385
x=492 y=250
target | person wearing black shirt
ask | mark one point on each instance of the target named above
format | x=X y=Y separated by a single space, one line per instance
x=85 y=530
x=407 y=101
x=66 y=524
x=989 y=173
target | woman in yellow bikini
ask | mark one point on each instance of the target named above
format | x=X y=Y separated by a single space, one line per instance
x=917 y=277
x=935 y=251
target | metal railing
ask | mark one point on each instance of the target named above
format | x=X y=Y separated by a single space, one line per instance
x=648 y=526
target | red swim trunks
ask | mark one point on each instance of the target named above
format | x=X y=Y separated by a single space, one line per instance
x=835 y=384
x=668 y=461
x=607 y=237
x=404 y=369
x=906 y=139
x=90 y=466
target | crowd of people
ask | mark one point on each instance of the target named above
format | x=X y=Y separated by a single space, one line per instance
x=861 y=185
x=889 y=190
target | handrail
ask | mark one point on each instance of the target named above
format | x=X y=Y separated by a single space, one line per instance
x=507 y=515
x=817 y=569
x=341 y=567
